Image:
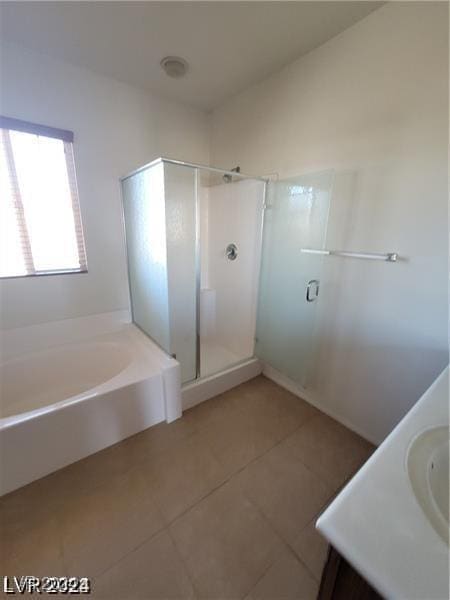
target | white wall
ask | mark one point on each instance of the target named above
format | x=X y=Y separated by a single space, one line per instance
x=117 y=128
x=373 y=104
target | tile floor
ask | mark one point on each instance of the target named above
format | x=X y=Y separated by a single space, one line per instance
x=219 y=504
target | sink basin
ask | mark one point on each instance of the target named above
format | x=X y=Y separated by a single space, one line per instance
x=428 y=470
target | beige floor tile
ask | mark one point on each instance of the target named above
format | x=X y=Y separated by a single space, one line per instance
x=101 y=526
x=247 y=421
x=30 y=505
x=265 y=387
x=152 y=571
x=287 y=492
x=30 y=537
x=329 y=449
x=238 y=440
x=206 y=413
x=90 y=472
x=158 y=439
x=34 y=550
x=183 y=476
x=312 y=548
x=226 y=544
x=286 y=579
x=278 y=410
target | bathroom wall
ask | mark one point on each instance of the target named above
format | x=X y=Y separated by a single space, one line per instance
x=117 y=128
x=372 y=103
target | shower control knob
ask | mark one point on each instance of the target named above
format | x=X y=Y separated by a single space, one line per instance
x=231 y=251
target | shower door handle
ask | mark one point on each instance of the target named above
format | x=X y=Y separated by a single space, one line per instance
x=313 y=284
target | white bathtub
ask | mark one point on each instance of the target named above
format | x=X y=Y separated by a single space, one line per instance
x=72 y=388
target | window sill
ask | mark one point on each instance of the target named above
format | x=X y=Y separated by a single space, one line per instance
x=46 y=273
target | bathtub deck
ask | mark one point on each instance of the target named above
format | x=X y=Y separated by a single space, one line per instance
x=219 y=504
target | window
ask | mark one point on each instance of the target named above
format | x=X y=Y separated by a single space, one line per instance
x=40 y=221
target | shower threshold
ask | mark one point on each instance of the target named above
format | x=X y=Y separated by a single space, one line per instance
x=215 y=358
x=211 y=385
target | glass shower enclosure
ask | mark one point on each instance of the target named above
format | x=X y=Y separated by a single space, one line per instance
x=193 y=237
x=287 y=327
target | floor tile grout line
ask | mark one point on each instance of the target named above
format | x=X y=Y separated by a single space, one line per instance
x=263 y=516
x=240 y=470
x=303 y=564
x=288 y=545
x=275 y=444
x=142 y=543
x=261 y=577
x=159 y=530
x=115 y=563
x=227 y=479
x=184 y=563
x=284 y=543
x=291 y=544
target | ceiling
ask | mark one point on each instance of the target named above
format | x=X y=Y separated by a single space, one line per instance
x=228 y=45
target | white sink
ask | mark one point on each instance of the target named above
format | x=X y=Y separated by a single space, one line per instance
x=428 y=470
x=391 y=520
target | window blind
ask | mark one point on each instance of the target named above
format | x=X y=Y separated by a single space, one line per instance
x=41 y=227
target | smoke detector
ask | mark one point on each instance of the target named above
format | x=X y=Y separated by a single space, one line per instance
x=174 y=66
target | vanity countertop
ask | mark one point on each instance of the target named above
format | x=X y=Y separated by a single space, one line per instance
x=376 y=522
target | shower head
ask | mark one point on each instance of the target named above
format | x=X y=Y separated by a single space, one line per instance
x=229 y=178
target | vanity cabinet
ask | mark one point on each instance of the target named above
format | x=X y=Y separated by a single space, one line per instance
x=340 y=581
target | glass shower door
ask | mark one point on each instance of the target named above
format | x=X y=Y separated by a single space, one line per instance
x=296 y=218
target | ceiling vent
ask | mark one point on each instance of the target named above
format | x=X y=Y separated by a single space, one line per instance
x=174 y=66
